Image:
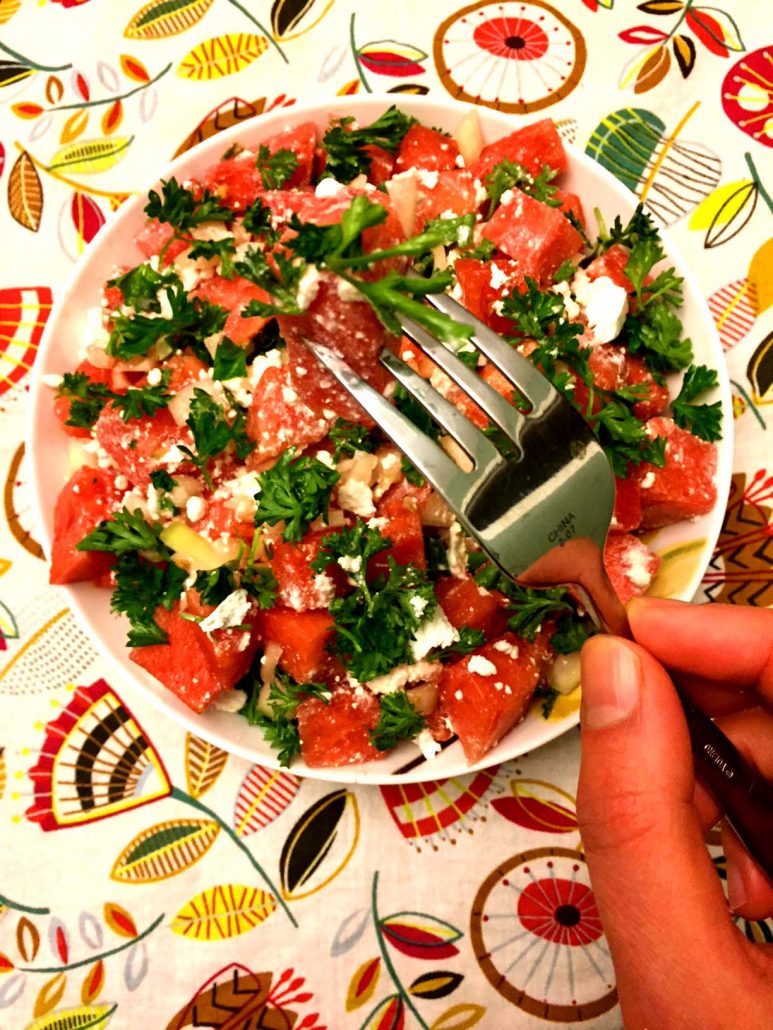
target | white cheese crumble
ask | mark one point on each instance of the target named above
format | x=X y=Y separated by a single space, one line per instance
x=456 y=551
x=230 y=701
x=605 y=304
x=637 y=569
x=229 y=613
x=434 y=632
x=571 y=306
x=308 y=286
x=329 y=187
x=195 y=508
x=648 y=480
x=350 y=563
x=401 y=675
x=507 y=648
x=482 y=666
x=427 y=744
x=356 y=496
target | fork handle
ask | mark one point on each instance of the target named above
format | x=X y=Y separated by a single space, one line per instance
x=744 y=796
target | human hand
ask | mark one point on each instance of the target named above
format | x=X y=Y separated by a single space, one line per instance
x=679 y=959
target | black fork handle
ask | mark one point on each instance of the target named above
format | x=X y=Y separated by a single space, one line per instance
x=739 y=789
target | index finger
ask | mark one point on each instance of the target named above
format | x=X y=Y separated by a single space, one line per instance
x=726 y=644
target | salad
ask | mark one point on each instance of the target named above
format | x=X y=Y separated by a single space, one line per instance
x=273 y=552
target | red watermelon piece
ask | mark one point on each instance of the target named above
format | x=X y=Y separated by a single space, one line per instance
x=303 y=637
x=486 y=693
x=238 y=181
x=348 y=327
x=684 y=488
x=532 y=146
x=534 y=234
x=137 y=445
x=630 y=565
x=467 y=604
x=337 y=733
x=300 y=587
x=154 y=236
x=88 y=497
x=612 y=264
x=427 y=148
x=439 y=192
x=278 y=419
x=234 y=295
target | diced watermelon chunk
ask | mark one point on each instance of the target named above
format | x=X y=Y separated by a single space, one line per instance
x=196 y=666
x=684 y=488
x=348 y=327
x=337 y=733
x=303 y=637
x=154 y=236
x=532 y=146
x=444 y=191
x=485 y=283
x=630 y=565
x=426 y=148
x=185 y=368
x=484 y=705
x=88 y=497
x=536 y=235
x=234 y=295
x=612 y=264
x=403 y=528
x=238 y=181
x=467 y=604
x=613 y=368
x=278 y=419
x=627 y=511
x=137 y=446
x=382 y=164
x=300 y=587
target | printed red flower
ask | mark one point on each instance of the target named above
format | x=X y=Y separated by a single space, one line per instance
x=517 y=39
x=561 y=911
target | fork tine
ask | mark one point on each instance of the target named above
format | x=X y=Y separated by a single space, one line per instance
x=479 y=448
x=433 y=463
x=486 y=397
x=518 y=369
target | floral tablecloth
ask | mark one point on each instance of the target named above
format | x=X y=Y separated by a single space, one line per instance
x=148 y=879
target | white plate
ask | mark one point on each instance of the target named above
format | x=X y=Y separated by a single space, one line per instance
x=48 y=445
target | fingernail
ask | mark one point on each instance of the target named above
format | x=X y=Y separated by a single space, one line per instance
x=736 y=889
x=611 y=674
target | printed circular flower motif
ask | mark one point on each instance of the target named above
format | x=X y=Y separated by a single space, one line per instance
x=747 y=95
x=511 y=56
x=561 y=911
x=537 y=936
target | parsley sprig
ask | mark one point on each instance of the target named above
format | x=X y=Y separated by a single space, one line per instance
x=507 y=175
x=141 y=285
x=280 y=727
x=275 y=168
x=345 y=147
x=295 y=490
x=87 y=399
x=183 y=209
x=704 y=420
x=398 y=720
x=376 y=622
x=213 y=432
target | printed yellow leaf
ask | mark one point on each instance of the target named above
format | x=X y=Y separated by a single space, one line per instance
x=223 y=912
x=49 y=995
x=25 y=193
x=363 y=984
x=165 y=849
x=161 y=18
x=223 y=55
x=459 y=1017
x=120 y=921
x=27 y=939
x=203 y=764
x=85 y=1016
x=349 y=88
x=732 y=195
x=93 y=982
x=90 y=156
x=74 y=127
x=761 y=274
x=7 y=10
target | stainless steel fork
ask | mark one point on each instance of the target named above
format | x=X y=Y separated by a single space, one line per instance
x=541 y=512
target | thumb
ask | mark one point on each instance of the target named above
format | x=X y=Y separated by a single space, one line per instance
x=658 y=895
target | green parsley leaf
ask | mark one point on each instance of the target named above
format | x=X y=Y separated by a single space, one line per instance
x=565 y=271
x=191 y=321
x=257 y=218
x=180 y=208
x=377 y=621
x=570 y=634
x=703 y=420
x=639 y=228
x=507 y=175
x=531 y=607
x=548 y=696
x=348 y=438
x=142 y=401
x=285 y=695
x=469 y=640
x=398 y=720
x=222 y=249
x=294 y=491
x=230 y=360
x=275 y=169
x=140 y=286
x=283 y=286
x=656 y=334
x=86 y=398
x=346 y=156
x=280 y=734
x=215 y=585
x=260 y=582
x=212 y=432
x=124 y=531
x=161 y=480
x=141 y=587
